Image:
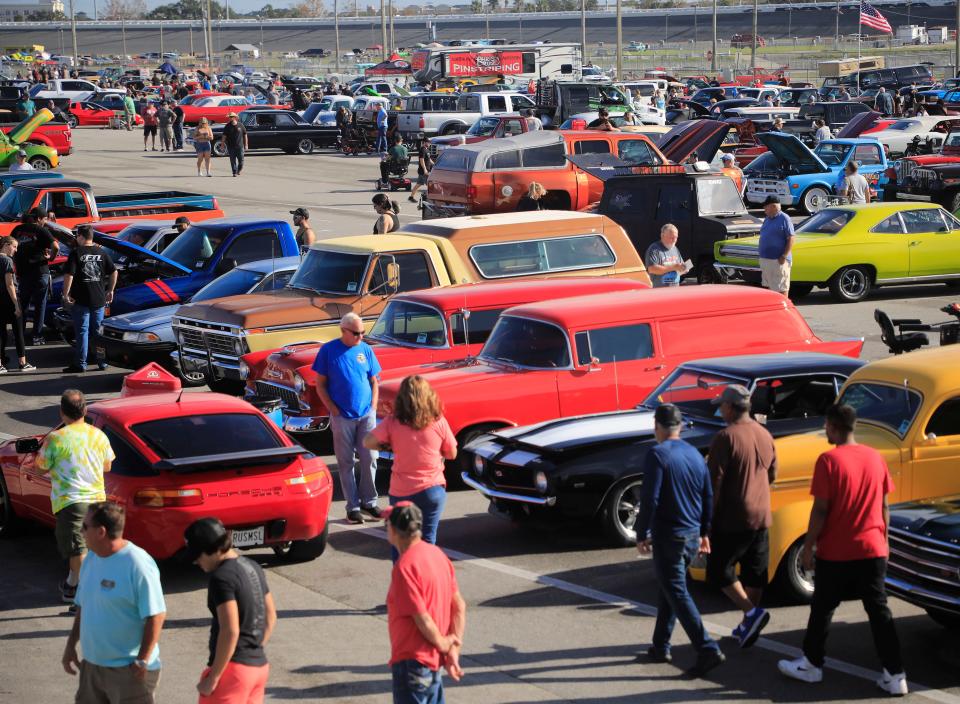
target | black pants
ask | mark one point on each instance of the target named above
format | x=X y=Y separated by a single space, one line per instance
x=236 y=159
x=863 y=579
x=7 y=317
x=178 y=135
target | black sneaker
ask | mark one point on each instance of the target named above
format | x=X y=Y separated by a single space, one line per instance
x=27 y=367
x=67 y=592
x=74 y=369
x=102 y=366
x=706 y=661
x=354 y=516
x=373 y=511
x=38 y=341
x=653 y=654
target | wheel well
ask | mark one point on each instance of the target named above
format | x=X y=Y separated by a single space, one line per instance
x=615 y=485
x=479 y=429
x=869 y=267
x=561 y=199
x=451 y=128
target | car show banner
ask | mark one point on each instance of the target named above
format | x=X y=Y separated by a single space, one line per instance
x=484 y=63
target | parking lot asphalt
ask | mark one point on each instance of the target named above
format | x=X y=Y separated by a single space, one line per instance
x=553 y=616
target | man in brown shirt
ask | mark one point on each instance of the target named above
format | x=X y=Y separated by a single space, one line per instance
x=743 y=465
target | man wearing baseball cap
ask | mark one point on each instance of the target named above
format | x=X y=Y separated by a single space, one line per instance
x=674 y=523
x=743 y=464
x=234 y=138
x=426 y=615
x=305 y=234
x=776 y=242
x=22 y=164
x=244 y=616
x=731 y=169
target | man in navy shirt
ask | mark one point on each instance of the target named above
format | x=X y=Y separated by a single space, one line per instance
x=776 y=242
x=674 y=522
x=347 y=371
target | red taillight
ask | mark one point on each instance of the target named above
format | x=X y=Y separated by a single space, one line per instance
x=423 y=122
x=891 y=172
x=578 y=124
x=309 y=483
x=165 y=498
x=471 y=191
x=216 y=205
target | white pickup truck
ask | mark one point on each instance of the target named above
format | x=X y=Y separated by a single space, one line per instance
x=418 y=124
x=72 y=89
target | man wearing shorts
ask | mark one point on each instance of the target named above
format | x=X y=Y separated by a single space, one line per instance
x=776 y=241
x=743 y=464
x=76 y=456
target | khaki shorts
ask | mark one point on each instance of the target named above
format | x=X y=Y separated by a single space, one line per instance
x=115 y=685
x=69 y=530
x=775 y=276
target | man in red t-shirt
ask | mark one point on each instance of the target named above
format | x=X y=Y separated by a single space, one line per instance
x=848 y=525
x=425 y=613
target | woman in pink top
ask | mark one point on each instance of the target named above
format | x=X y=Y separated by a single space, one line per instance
x=420 y=439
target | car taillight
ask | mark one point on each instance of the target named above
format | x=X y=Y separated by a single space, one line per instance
x=308 y=483
x=471 y=192
x=891 y=172
x=165 y=498
x=578 y=124
x=423 y=122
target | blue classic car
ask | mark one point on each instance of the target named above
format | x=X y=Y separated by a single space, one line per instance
x=133 y=339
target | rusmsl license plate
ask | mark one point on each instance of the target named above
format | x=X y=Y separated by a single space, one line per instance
x=248 y=538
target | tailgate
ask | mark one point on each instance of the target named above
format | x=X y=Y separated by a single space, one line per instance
x=449 y=187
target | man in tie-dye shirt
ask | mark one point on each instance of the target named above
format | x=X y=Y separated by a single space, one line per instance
x=76 y=456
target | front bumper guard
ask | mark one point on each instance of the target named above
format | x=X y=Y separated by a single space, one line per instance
x=494 y=494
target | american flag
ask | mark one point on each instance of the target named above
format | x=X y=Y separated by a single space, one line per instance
x=870 y=16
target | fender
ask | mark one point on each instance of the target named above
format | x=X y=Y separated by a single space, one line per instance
x=789 y=525
x=459 y=124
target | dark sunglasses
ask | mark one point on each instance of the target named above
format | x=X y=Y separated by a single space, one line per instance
x=354 y=332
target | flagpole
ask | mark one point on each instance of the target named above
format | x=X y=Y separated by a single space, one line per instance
x=859 y=42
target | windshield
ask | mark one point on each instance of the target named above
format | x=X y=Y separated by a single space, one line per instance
x=693 y=392
x=832 y=154
x=197 y=436
x=718 y=196
x=410 y=324
x=325 y=104
x=829 y=222
x=194 y=247
x=891 y=406
x=204 y=102
x=527 y=343
x=138 y=234
x=15 y=202
x=484 y=127
x=330 y=272
x=233 y=283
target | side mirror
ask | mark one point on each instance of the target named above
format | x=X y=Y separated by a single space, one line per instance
x=26 y=446
x=393 y=277
x=930 y=439
x=224 y=265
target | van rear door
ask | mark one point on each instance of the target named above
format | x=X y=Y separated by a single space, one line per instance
x=450 y=182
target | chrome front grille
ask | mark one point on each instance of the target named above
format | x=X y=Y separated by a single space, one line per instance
x=740 y=251
x=192 y=338
x=220 y=344
x=207 y=337
x=923 y=178
x=112 y=333
x=930 y=565
x=287 y=395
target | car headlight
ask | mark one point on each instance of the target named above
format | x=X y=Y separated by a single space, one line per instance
x=540 y=481
x=141 y=337
x=299 y=383
x=244 y=370
x=479 y=464
x=238 y=346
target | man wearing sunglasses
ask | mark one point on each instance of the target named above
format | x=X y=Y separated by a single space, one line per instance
x=347 y=371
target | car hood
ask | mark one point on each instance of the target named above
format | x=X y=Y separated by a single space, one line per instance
x=21 y=133
x=859 y=124
x=141 y=320
x=701 y=136
x=931 y=518
x=136 y=252
x=285 y=307
x=790 y=150
x=567 y=433
x=449 y=377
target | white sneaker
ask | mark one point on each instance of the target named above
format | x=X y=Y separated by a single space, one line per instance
x=895 y=685
x=801 y=669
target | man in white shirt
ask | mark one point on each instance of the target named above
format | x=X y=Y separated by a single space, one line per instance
x=855 y=186
x=22 y=164
x=822 y=133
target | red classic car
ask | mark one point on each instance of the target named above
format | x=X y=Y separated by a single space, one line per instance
x=182 y=456
x=420 y=327
x=86 y=113
x=592 y=354
x=55 y=135
x=216 y=108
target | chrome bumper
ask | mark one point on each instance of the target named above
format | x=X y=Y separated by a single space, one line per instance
x=305 y=424
x=494 y=494
x=732 y=271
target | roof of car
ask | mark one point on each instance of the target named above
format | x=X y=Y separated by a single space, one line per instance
x=130 y=410
x=41 y=183
x=445 y=226
x=758 y=366
x=267 y=265
x=934 y=371
x=236 y=221
x=884 y=208
x=517 y=292
x=613 y=308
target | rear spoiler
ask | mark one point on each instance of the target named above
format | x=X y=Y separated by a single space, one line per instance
x=270 y=455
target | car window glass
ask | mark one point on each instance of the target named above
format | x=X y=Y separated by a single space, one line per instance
x=889 y=226
x=674 y=202
x=201 y=435
x=521 y=102
x=272 y=282
x=951 y=221
x=504 y=160
x=254 y=246
x=496 y=103
x=512 y=128
x=794 y=396
x=128 y=462
x=622 y=343
x=636 y=151
x=285 y=121
x=891 y=406
x=454 y=160
x=945 y=420
x=266 y=120
x=537 y=256
x=528 y=343
x=68 y=204
x=551 y=155
x=867 y=154
x=582 y=342
x=410 y=323
x=479 y=326
x=593 y=146
x=414 y=272
x=919 y=221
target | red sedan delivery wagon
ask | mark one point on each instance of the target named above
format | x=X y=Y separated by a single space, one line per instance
x=184 y=456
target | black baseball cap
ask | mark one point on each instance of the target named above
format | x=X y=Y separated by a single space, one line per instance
x=302 y=212
x=404 y=516
x=770 y=200
x=204 y=536
x=182 y=220
x=668 y=415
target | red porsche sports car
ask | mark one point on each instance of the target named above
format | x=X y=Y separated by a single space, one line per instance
x=183 y=456
x=82 y=114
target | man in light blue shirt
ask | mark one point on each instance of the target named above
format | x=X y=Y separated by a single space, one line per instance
x=776 y=243
x=119 y=614
x=382 y=117
x=347 y=371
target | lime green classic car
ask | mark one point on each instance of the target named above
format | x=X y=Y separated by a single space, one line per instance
x=853 y=248
x=39 y=156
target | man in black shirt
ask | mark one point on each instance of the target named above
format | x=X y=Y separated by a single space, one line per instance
x=88 y=266
x=178 y=128
x=37 y=250
x=10 y=312
x=241 y=603
x=235 y=140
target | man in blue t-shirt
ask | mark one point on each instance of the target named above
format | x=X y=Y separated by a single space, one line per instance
x=776 y=242
x=347 y=371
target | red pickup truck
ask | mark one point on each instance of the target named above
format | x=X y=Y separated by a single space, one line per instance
x=56 y=135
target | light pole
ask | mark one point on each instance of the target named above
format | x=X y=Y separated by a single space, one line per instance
x=383 y=31
x=713 y=50
x=393 y=41
x=161 y=42
x=123 y=37
x=583 y=31
x=210 y=37
x=336 y=33
x=753 y=46
x=73 y=33
x=956 y=51
x=619 y=40
x=260 y=18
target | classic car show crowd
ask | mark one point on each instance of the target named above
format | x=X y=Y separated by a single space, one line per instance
x=619 y=340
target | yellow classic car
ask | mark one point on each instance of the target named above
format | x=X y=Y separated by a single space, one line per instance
x=853 y=248
x=908 y=408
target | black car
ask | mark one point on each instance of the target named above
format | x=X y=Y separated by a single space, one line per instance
x=270 y=128
x=591 y=467
x=924 y=566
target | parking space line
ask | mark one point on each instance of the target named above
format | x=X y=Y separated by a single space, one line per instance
x=773 y=646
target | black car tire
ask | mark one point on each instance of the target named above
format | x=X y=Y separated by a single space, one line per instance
x=707 y=273
x=798 y=291
x=851 y=283
x=40 y=163
x=450 y=130
x=305 y=146
x=794 y=581
x=306 y=550
x=619 y=512
x=8 y=519
x=219 y=149
x=946 y=619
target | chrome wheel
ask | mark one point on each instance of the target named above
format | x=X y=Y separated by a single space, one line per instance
x=814 y=200
x=852 y=283
x=621 y=509
x=305 y=146
x=40 y=164
x=795 y=580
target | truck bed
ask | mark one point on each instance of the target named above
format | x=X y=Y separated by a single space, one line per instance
x=157 y=198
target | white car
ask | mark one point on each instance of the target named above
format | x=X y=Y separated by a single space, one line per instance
x=72 y=89
x=897 y=137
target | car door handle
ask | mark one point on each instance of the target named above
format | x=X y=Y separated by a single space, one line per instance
x=914 y=243
x=658 y=367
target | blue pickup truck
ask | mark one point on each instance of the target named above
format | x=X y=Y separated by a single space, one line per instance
x=7 y=178
x=801 y=178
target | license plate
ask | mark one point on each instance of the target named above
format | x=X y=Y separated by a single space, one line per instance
x=248 y=538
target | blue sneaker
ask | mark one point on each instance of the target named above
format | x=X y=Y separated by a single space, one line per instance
x=739 y=631
x=752 y=625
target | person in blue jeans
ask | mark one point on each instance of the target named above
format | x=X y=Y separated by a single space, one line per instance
x=381 y=145
x=88 y=283
x=674 y=523
x=346 y=381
